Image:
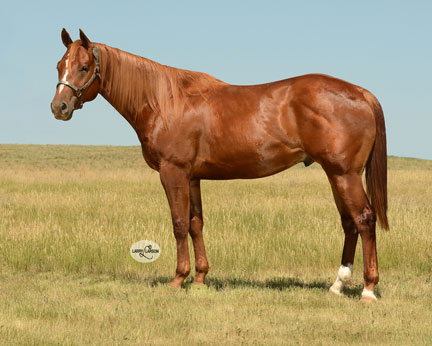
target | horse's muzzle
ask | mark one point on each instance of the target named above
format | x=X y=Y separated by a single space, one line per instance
x=62 y=110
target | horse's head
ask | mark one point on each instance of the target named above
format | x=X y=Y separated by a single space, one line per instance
x=79 y=79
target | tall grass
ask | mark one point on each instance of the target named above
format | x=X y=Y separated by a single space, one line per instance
x=69 y=214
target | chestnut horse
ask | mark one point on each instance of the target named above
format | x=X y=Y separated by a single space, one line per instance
x=193 y=126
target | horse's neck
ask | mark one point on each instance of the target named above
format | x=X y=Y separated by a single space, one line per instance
x=144 y=91
x=120 y=72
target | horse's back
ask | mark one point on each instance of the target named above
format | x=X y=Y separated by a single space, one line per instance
x=259 y=130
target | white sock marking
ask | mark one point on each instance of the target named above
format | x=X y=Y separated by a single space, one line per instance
x=369 y=294
x=344 y=275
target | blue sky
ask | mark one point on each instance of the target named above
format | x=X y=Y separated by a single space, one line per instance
x=384 y=46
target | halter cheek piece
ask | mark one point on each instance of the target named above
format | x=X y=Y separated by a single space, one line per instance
x=79 y=91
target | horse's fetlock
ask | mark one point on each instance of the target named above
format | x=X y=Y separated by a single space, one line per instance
x=183 y=269
x=202 y=266
x=371 y=276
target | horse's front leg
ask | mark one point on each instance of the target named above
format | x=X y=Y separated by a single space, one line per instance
x=196 y=233
x=176 y=184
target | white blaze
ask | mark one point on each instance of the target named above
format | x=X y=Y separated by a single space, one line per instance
x=65 y=75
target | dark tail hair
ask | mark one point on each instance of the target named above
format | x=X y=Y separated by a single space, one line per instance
x=376 y=168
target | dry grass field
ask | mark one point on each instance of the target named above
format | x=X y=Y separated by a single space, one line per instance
x=69 y=214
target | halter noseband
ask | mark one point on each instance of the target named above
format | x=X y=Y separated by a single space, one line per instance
x=79 y=91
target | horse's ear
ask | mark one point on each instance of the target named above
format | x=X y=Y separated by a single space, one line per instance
x=66 y=38
x=84 y=40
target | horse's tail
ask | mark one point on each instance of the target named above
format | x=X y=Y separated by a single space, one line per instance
x=376 y=167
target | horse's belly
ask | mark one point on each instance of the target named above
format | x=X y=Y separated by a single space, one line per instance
x=234 y=163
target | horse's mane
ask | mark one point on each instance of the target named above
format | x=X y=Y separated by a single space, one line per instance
x=134 y=82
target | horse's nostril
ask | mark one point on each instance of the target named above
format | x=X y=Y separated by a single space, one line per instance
x=63 y=106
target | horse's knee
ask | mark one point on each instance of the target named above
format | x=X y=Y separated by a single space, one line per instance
x=196 y=226
x=180 y=227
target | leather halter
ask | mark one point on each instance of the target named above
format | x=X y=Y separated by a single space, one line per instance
x=79 y=91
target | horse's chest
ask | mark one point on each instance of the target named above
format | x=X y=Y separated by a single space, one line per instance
x=150 y=155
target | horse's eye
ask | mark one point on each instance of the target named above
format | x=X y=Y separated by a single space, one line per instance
x=84 y=68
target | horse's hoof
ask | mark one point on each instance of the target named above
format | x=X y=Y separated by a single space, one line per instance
x=367 y=299
x=368 y=296
x=334 y=291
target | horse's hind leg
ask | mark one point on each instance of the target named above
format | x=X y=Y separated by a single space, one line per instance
x=354 y=201
x=351 y=236
x=195 y=231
